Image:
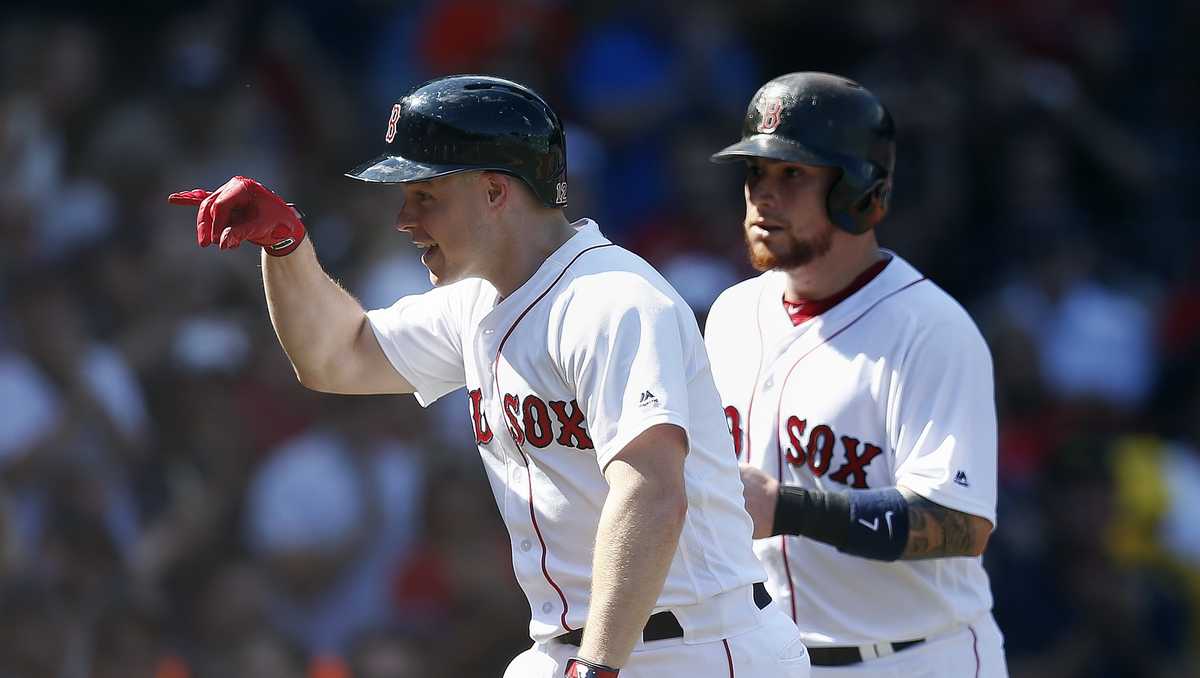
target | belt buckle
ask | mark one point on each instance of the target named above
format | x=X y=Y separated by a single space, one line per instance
x=880 y=650
x=856 y=654
x=875 y=650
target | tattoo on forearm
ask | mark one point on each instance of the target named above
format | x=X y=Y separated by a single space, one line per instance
x=935 y=531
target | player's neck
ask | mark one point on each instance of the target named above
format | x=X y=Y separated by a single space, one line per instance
x=830 y=274
x=520 y=254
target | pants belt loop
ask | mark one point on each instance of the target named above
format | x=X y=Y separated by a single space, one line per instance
x=883 y=649
x=868 y=652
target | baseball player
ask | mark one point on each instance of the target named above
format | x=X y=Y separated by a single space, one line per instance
x=588 y=385
x=860 y=400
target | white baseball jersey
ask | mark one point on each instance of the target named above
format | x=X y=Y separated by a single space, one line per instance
x=890 y=387
x=561 y=374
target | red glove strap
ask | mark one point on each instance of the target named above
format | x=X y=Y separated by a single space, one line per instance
x=286 y=246
x=581 y=668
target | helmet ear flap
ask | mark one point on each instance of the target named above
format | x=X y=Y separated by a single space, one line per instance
x=850 y=209
x=870 y=206
x=883 y=193
x=880 y=191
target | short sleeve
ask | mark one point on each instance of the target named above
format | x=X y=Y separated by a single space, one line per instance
x=943 y=424
x=624 y=349
x=421 y=335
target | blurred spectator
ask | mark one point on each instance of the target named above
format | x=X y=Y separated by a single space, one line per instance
x=78 y=419
x=329 y=515
x=380 y=654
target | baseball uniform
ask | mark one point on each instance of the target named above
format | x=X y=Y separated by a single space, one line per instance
x=561 y=374
x=890 y=387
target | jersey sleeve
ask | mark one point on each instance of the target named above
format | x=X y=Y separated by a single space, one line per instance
x=421 y=335
x=943 y=422
x=623 y=348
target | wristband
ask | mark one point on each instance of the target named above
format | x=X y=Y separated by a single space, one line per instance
x=284 y=247
x=824 y=516
x=581 y=668
x=289 y=244
x=869 y=524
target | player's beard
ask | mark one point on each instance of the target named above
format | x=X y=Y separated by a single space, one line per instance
x=797 y=253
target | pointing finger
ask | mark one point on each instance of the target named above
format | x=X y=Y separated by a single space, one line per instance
x=188 y=198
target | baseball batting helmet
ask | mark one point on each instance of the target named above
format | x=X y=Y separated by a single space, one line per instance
x=827 y=120
x=466 y=123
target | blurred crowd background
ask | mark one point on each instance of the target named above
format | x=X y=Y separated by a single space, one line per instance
x=174 y=505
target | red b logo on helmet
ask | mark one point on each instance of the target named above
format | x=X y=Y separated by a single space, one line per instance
x=768 y=115
x=395 y=117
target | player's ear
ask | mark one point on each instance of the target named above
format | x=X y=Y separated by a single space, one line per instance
x=877 y=201
x=499 y=189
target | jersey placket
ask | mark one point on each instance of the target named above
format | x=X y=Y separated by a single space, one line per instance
x=529 y=554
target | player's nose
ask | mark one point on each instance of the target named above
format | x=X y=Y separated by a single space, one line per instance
x=762 y=194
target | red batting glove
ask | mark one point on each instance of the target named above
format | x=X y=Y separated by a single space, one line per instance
x=243 y=210
x=581 y=668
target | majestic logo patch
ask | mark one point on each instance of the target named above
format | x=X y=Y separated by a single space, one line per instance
x=960 y=478
x=647 y=398
x=769 y=109
x=391 y=130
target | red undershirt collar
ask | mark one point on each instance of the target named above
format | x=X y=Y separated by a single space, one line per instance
x=807 y=309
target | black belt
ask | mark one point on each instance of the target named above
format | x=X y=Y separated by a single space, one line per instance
x=664 y=625
x=842 y=656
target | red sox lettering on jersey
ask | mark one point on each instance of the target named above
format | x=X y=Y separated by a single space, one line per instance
x=817 y=450
x=534 y=421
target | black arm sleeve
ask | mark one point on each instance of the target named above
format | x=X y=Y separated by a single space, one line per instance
x=869 y=524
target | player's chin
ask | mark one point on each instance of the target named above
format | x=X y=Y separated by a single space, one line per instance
x=442 y=276
x=435 y=262
x=761 y=257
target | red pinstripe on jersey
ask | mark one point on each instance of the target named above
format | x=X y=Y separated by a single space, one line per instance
x=975 y=648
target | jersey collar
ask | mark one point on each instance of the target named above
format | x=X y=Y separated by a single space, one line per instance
x=774 y=319
x=587 y=234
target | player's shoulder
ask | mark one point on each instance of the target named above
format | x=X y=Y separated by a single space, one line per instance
x=467 y=288
x=613 y=278
x=461 y=299
x=930 y=310
x=742 y=296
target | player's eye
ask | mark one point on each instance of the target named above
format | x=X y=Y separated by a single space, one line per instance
x=754 y=170
x=792 y=172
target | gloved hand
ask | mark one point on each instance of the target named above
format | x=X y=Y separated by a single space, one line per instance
x=243 y=210
x=581 y=668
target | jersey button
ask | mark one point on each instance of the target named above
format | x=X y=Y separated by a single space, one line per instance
x=526 y=544
x=489 y=331
x=546 y=607
x=769 y=382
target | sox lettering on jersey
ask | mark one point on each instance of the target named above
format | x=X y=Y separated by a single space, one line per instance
x=817 y=452
x=529 y=420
